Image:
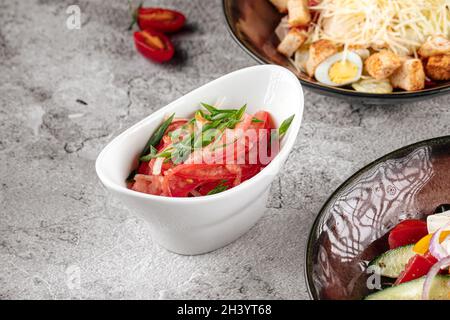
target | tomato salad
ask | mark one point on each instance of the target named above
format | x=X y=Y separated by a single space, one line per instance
x=215 y=150
x=418 y=260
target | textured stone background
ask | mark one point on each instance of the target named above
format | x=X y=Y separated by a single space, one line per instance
x=57 y=223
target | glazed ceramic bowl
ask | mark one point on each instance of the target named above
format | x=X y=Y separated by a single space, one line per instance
x=252 y=24
x=352 y=227
x=201 y=224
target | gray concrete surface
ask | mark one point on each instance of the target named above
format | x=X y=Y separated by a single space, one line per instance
x=62 y=236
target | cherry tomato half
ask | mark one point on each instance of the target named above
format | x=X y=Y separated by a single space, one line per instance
x=154 y=45
x=162 y=20
x=407 y=232
x=417 y=267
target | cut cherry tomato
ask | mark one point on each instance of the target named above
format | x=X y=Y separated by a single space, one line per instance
x=175 y=125
x=162 y=20
x=203 y=172
x=181 y=187
x=417 y=267
x=154 y=45
x=209 y=186
x=264 y=121
x=143 y=168
x=407 y=232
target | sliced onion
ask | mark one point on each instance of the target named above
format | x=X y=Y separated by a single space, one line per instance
x=431 y=275
x=195 y=193
x=157 y=166
x=436 y=249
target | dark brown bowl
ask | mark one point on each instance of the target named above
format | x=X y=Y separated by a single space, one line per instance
x=252 y=24
x=351 y=228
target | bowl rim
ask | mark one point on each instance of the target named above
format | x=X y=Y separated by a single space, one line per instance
x=308 y=263
x=271 y=167
x=393 y=96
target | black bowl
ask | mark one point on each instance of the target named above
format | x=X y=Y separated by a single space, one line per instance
x=252 y=24
x=352 y=227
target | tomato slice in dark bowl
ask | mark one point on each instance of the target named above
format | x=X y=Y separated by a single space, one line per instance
x=162 y=20
x=154 y=45
x=407 y=232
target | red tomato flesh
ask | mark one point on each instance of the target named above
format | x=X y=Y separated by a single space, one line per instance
x=417 y=267
x=407 y=232
x=154 y=45
x=162 y=20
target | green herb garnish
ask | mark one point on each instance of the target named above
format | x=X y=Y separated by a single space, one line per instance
x=254 y=120
x=156 y=137
x=149 y=156
x=240 y=112
x=219 y=188
x=285 y=126
x=209 y=107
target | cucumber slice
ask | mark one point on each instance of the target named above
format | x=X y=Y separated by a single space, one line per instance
x=412 y=290
x=393 y=262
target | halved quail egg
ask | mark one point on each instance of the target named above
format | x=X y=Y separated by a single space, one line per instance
x=340 y=69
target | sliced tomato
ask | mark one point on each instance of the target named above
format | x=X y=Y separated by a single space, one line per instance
x=154 y=45
x=203 y=172
x=176 y=124
x=410 y=223
x=181 y=187
x=143 y=168
x=205 y=188
x=265 y=118
x=407 y=232
x=165 y=166
x=148 y=184
x=417 y=267
x=249 y=171
x=264 y=132
x=162 y=20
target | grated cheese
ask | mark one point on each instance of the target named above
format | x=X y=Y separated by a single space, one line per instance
x=399 y=25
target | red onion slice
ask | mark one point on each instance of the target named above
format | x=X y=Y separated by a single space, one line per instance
x=431 y=275
x=195 y=193
x=436 y=249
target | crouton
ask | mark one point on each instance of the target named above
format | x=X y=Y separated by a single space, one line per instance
x=438 y=67
x=410 y=76
x=318 y=52
x=299 y=14
x=281 y=5
x=293 y=40
x=301 y=57
x=436 y=45
x=382 y=64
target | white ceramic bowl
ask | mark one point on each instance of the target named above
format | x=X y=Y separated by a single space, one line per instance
x=202 y=224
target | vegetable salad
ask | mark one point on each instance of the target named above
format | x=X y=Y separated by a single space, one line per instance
x=418 y=260
x=215 y=150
